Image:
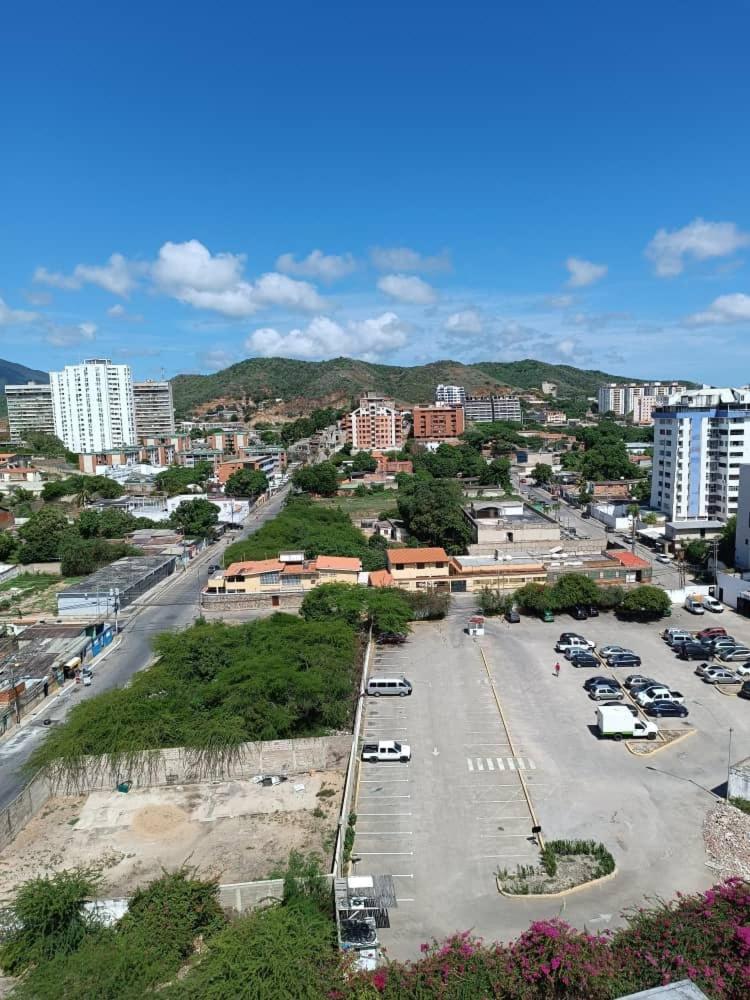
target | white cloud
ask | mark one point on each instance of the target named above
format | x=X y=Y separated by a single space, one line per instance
x=566 y=347
x=405 y=259
x=190 y=273
x=699 y=239
x=38 y=298
x=584 y=272
x=325 y=338
x=69 y=336
x=407 y=288
x=560 y=301
x=726 y=309
x=116 y=311
x=466 y=321
x=9 y=316
x=217 y=359
x=117 y=276
x=324 y=267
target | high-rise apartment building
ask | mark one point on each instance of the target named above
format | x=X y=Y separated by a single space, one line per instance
x=454 y=395
x=620 y=397
x=154 y=408
x=438 y=423
x=701 y=438
x=375 y=424
x=29 y=409
x=92 y=405
x=482 y=409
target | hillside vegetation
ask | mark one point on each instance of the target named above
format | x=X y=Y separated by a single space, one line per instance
x=342 y=378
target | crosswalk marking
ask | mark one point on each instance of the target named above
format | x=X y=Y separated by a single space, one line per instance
x=500 y=764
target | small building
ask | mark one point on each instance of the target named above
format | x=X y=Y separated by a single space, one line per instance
x=611 y=489
x=438 y=423
x=415 y=569
x=469 y=574
x=508 y=525
x=114 y=587
x=681 y=533
x=605 y=569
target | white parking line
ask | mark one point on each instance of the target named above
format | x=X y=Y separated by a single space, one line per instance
x=384 y=833
x=384 y=854
x=492 y=836
x=386 y=781
x=380 y=798
x=360 y=814
x=402 y=876
x=400 y=899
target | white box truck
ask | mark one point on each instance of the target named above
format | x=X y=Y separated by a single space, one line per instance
x=617 y=722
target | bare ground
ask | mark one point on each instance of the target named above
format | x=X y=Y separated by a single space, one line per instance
x=235 y=831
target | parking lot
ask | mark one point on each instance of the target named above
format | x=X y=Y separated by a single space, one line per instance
x=445 y=822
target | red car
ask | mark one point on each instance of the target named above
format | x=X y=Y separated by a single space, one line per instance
x=710 y=633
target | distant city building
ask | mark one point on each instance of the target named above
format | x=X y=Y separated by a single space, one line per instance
x=742 y=536
x=701 y=438
x=549 y=389
x=454 y=395
x=92 y=406
x=29 y=409
x=375 y=424
x=482 y=409
x=554 y=418
x=438 y=423
x=154 y=408
x=620 y=397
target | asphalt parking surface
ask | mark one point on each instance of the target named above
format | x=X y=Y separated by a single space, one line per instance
x=444 y=823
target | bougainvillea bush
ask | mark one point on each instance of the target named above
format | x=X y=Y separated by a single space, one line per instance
x=705 y=938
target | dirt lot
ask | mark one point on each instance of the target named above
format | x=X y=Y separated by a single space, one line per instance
x=236 y=831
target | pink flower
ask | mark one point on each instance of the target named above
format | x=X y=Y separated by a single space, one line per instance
x=743 y=933
x=379 y=980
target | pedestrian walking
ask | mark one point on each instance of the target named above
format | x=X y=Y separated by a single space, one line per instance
x=557 y=670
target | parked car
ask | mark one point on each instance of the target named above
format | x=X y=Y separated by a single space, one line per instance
x=386 y=750
x=606 y=650
x=591 y=609
x=692 y=651
x=605 y=692
x=720 y=675
x=512 y=616
x=624 y=660
x=693 y=605
x=579 y=613
x=214 y=568
x=649 y=694
x=740 y=653
x=593 y=681
x=711 y=604
x=711 y=631
x=580 y=658
x=701 y=669
x=668 y=632
x=547 y=616
x=742 y=669
x=716 y=642
x=659 y=709
x=661 y=558
x=578 y=643
x=390 y=639
x=744 y=691
x=634 y=680
x=569 y=635
x=677 y=636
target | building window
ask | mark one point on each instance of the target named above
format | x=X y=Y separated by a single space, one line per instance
x=269 y=577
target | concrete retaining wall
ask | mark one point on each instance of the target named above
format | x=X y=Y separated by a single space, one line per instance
x=23 y=808
x=181 y=766
x=255 y=602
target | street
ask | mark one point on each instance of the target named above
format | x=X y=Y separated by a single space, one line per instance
x=171 y=607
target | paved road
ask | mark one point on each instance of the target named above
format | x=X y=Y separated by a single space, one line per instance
x=172 y=606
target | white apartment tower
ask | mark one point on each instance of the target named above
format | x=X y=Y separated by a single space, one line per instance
x=621 y=398
x=92 y=405
x=454 y=395
x=701 y=438
x=29 y=409
x=154 y=409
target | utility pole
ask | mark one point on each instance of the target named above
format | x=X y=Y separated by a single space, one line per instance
x=729 y=760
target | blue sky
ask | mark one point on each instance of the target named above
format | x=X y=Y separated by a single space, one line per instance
x=183 y=186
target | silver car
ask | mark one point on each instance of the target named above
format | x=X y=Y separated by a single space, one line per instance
x=733 y=653
x=718 y=675
x=603 y=692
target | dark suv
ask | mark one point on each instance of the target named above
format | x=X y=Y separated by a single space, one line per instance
x=624 y=660
x=744 y=691
x=691 y=651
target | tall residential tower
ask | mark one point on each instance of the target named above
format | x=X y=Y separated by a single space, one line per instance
x=92 y=405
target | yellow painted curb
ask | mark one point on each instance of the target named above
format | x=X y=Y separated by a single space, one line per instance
x=555 y=895
x=660 y=746
x=735 y=689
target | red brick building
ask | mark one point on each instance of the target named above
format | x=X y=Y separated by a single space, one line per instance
x=438 y=423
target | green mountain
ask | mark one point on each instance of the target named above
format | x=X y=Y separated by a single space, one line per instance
x=342 y=378
x=13 y=374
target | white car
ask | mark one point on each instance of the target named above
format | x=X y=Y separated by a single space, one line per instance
x=663 y=559
x=658 y=694
x=711 y=604
x=742 y=670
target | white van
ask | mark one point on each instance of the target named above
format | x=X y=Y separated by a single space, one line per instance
x=388 y=685
x=694 y=604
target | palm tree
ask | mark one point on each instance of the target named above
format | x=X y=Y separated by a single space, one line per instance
x=84 y=494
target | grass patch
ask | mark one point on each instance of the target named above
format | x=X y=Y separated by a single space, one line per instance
x=373 y=504
x=31 y=583
x=742 y=804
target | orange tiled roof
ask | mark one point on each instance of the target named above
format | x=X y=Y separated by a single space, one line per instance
x=410 y=556
x=254 y=566
x=381 y=578
x=628 y=559
x=345 y=563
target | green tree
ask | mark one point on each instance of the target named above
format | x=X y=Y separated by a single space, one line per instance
x=534 y=598
x=196 y=518
x=8 y=546
x=725 y=551
x=571 y=589
x=496 y=472
x=697 y=553
x=246 y=483
x=542 y=473
x=645 y=602
x=385 y=608
x=363 y=462
x=42 y=534
x=321 y=479
x=177 y=478
x=641 y=491
x=46 y=445
x=55 y=489
x=432 y=511
x=494 y=602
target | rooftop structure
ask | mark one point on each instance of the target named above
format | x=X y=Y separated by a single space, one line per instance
x=114 y=587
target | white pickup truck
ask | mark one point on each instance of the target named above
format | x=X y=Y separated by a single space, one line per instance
x=386 y=750
x=617 y=722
